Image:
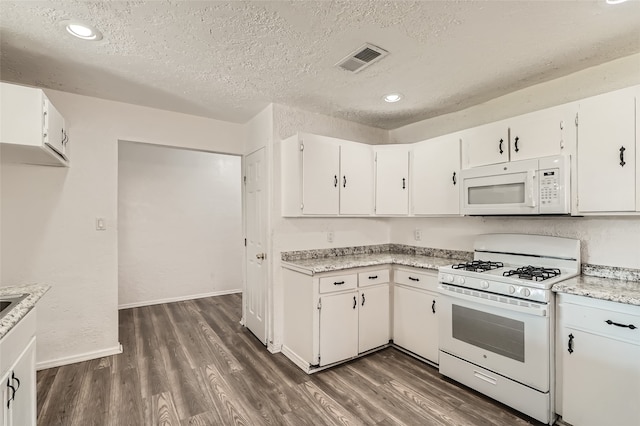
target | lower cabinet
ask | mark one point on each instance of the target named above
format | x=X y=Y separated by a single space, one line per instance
x=600 y=362
x=338 y=327
x=415 y=319
x=373 y=324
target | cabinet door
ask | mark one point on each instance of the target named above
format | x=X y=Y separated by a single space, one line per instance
x=392 y=181
x=338 y=327
x=487 y=144
x=415 y=324
x=550 y=131
x=435 y=171
x=606 y=152
x=601 y=380
x=356 y=182
x=54 y=133
x=320 y=175
x=23 y=406
x=373 y=320
x=6 y=395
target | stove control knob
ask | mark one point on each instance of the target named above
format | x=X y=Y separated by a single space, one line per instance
x=450 y=278
x=525 y=292
x=512 y=289
x=484 y=284
x=461 y=280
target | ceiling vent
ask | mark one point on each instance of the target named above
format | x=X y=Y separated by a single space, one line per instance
x=361 y=58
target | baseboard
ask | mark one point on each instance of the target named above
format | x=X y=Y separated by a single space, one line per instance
x=274 y=348
x=79 y=358
x=293 y=357
x=177 y=299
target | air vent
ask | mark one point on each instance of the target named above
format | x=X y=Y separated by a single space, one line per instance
x=361 y=58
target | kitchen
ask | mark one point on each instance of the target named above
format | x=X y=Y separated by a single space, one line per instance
x=92 y=290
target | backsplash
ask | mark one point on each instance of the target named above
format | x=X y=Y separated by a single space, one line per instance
x=376 y=249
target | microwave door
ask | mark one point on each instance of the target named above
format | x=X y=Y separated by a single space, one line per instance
x=506 y=193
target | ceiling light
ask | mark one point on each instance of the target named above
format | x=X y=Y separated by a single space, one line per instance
x=615 y=1
x=392 y=97
x=81 y=30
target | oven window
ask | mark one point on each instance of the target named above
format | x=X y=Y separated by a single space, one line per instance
x=509 y=193
x=501 y=335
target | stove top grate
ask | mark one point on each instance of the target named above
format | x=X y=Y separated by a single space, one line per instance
x=533 y=273
x=478 y=266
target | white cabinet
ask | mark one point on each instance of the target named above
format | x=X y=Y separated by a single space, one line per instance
x=606 y=157
x=551 y=131
x=18 y=374
x=335 y=316
x=486 y=144
x=325 y=176
x=415 y=307
x=600 y=362
x=435 y=173
x=392 y=180
x=32 y=131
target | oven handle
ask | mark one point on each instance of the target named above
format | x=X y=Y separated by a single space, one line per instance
x=531 y=176
x=544 y=312
x=484 y=377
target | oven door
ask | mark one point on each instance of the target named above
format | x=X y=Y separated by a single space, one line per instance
x=502 y=335
x=510 y=188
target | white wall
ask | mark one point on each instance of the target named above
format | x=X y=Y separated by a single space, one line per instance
x=48 y=219
x=179 y=224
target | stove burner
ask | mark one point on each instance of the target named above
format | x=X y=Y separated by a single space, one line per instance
x=533 y=273
x=478 y=266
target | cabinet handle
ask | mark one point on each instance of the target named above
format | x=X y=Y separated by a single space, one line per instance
x=355 y=302
x=500 y=147
x=414 y=279
x=362 y=299
x=13 y=393
x=15 y=379
x=570 y=345
x=617 y=324
x=622 y=150
x=335 y=181
x=404 y=185
x=338 y=283
x=433 y=306
x=344 y=181
x=373 y=277
x=516 y=144
x=454 y=178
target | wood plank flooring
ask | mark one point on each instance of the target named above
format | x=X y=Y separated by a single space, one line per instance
x=192 y=363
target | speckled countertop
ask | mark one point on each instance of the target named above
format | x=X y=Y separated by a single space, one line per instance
x=34 y=291
x=615 y=290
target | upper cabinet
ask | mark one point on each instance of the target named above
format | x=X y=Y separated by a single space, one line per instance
x=435 y=171
x=551 y=131
x=487 y=144
x=606 y=155
x=32 y=131
x=326 y=176
x=392 y=179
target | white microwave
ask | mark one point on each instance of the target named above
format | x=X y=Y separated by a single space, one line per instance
x=536 y=186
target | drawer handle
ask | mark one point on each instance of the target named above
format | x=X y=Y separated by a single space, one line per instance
x=373 y=277
x=484 y=377
x=570 y=344
x=617 y=324
x=338 y=283
x=414 y=279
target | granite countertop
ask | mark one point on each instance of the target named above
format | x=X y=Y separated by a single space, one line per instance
x=612 y=289
x=337 y=263
x=34 y=291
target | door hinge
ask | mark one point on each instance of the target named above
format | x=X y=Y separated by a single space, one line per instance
x=576 y=118
x=319 y=304
x=301 y=147
x=301 y=206
x=244 y=179
x=245 y=242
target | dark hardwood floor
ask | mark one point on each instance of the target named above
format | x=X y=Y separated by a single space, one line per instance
x=192 y=363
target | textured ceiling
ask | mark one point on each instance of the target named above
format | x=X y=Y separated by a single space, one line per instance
x=229 y=59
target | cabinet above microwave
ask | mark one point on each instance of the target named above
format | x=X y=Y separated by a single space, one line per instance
x=32 y=131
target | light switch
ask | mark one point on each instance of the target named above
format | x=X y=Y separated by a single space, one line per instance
x=101 y=224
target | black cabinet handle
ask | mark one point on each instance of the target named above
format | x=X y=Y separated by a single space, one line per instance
x=454 y=178
x=362 y=299
x=500 y=146
x=622 y=150
x=373 y=277
x=15 y=379
x=570 y=345
x=355 y=302
x=13 y=393
x=335 y=181
x=404 y=186
x=414 y=279
x=433 y=306
x=516 y=144
x=338 y=283
x=617 y=324
x=344 y=181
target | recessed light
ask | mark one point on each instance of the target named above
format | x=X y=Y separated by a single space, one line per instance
x=82 y=30
x=392 y=97
x=615 y=1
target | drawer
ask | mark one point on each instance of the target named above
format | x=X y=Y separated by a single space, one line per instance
x=338 y=283
x=423 y=279
x=605 y=322
x=380 y=276
x=14 y=342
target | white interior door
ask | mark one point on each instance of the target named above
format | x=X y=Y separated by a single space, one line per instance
x=255 y=294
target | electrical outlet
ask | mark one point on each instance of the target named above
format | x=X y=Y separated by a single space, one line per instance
x=101 y=225
x=330 y=236
x=417 y=234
